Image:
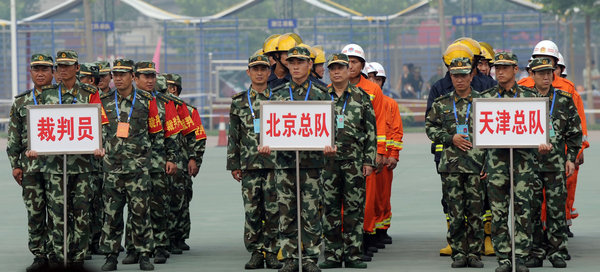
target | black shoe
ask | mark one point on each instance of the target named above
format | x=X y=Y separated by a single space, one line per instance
x=330 y=265
x=568 y=258
x=145 y=264
x=504 y=268
x=160 y=255
x=257 y=260
x=459 y=262
x=183 y=245
x=365 y=258
x=383 y=236
x=290 y=265
x=40 y=263
x=558 y=263
x=272 y=262
x=569 y=233
x=121 y=249
x=174 y=249
x=310 y=266
x=521 y=268
x=534 y=262
x=356 y=264
x=474 y=262
x=131 y=258
x=111 y=263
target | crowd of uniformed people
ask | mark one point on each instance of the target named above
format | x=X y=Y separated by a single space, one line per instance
x=153 y=145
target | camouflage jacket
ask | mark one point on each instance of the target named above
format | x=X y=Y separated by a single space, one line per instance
x=242 y=142
x=498 y=159
x=197 y=143
x=164 y=149
x=131 y=154
x=17 y=131
x=80 y=94
x=308 y=159
x=357 y=139
x=440 y=126
x=567 y=128
x=181 y=156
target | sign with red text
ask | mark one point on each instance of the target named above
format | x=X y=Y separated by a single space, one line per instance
x=510 y=122
x=297 y=125
x=64 y=129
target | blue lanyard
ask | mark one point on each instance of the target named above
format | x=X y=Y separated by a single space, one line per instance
x=456 y=116
x=35 y=100
x=60 y=96
x=307 y=91
x=250 y=103
x=553 y=99
x=516 y=92
x=130 y=111
x=345 y=102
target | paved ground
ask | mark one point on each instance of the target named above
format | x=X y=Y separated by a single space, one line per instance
x=418 y=225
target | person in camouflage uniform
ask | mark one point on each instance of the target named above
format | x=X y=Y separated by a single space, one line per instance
x=89 y=73
x=27 y=172
x=498 y=180
x=79 y=169
x=450 y=122
x=160 y=166
x=255 y=171
x=300 y=88
x=132 y=127
x=553 y=169
x=344 y=173
x=105 y=76
x=193 y=143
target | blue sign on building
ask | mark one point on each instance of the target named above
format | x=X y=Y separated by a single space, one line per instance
x=283 y=23
x=103 y=26
x=473 y=19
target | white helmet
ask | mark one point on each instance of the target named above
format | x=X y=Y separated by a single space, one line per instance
x=561 y=60
x=546 y=48
x=378 y=68
x=354 y=50
x=369 y=68
x=564 y=72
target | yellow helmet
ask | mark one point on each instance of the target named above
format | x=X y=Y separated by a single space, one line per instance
x=286 y=42
x=258 y=52
x=471 y=43
x=487 y=49
x=457 y=50
x=270 y=44
x=320 y=54
x=310 y=49
x=295 y=36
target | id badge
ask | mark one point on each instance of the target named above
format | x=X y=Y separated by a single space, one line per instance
x=257 y=125
x=123 y=130
x=340 y=121
x=463 y=130
x=552 y=133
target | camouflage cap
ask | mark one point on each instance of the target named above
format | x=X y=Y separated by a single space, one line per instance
x=339 y=58
x=41 y=59
x=173 y=79
x=460 y=66
x=505 y=58
x=89 y=69
x=66 y=57
x=104 y=67
x=258 y=60
x=541 y=64
x=299 y=52
x=145 y=67
x=161 y=83
x=122 y=65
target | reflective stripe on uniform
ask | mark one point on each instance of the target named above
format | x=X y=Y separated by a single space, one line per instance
x=439 y=147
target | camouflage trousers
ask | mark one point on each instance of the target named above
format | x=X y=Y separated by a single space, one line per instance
x=310 y=195
x=552 y=242
x=177 y=205
x=34 y=197
x=96 y=207
x=78 y=218
x=498 y=187
x=159 y=210
x=261 y=211
x=132 y=189
x=186 y=221
x=463 y=194
x=343 y=185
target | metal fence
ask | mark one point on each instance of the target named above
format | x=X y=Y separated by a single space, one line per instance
x=190 y=49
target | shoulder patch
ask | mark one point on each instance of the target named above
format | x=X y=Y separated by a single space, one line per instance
x=107 y=94
x=145 y=94
x=442 y=97
x=23 y=94
x=567 y=94
x=89 y=88
x=237 y=95
x=190 y=106
x=162 y=97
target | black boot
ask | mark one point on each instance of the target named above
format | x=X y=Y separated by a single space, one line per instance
x=145 y=264
x=111 y=263
x=383 y=237
x=40 y=263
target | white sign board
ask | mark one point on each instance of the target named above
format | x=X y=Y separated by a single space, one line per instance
x=296 y=125
x=64 y=129
x=510 y=122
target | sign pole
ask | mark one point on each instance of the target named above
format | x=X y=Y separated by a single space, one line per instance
x=298 y=211
x=512 y=207
x=65 y=240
